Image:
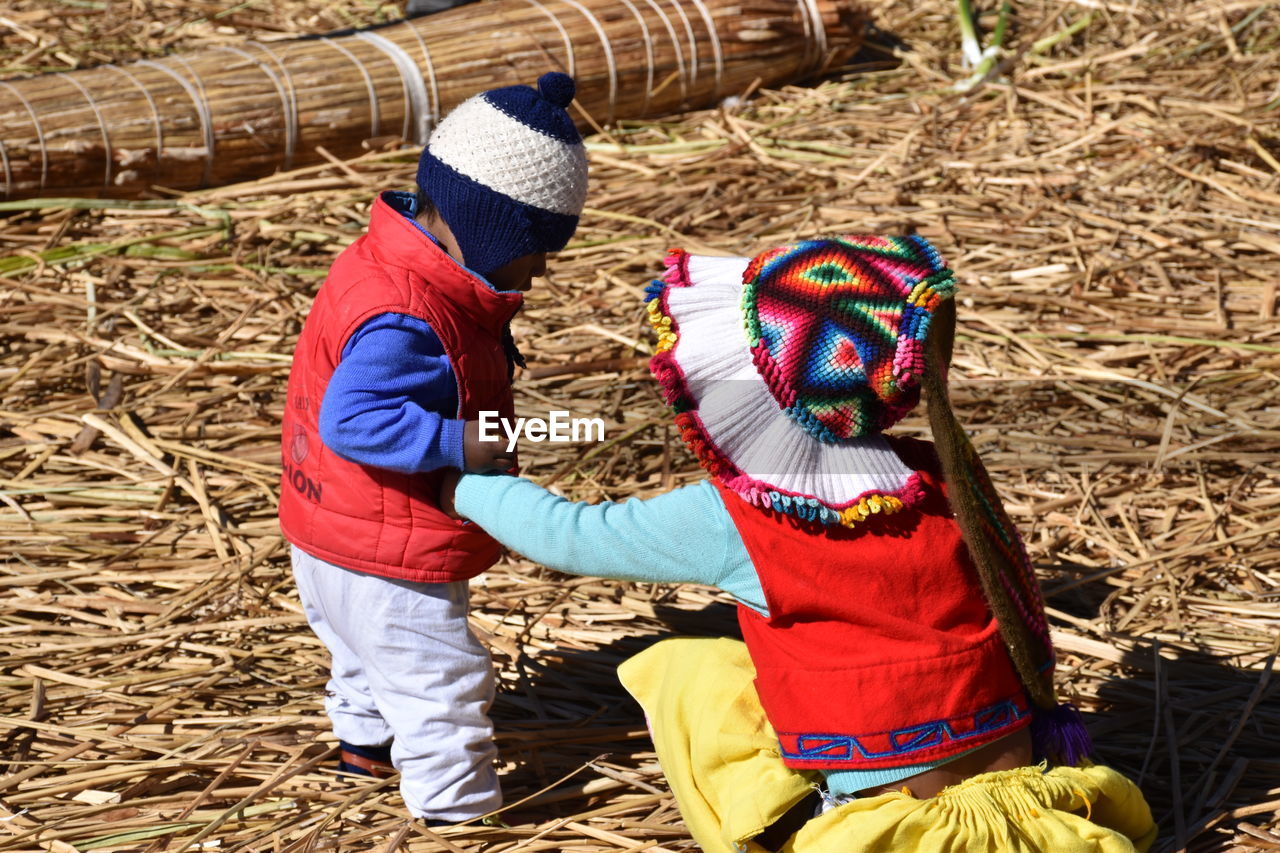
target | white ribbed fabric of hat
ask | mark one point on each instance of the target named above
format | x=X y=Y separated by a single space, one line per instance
x=739 y=413
x=494 y=149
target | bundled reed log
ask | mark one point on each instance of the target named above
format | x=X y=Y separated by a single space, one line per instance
x=233 y=113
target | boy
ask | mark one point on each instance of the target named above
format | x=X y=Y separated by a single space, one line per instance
x=406 y=343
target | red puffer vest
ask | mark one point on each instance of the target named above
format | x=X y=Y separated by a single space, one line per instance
x=372 y=519
x=879 y=649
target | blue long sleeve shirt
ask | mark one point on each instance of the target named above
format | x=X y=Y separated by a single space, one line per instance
x=633 y=541
x=392 y=400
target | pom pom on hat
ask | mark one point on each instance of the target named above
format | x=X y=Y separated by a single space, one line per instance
x=1058 y=734
x=557 y=88
x=507 y=172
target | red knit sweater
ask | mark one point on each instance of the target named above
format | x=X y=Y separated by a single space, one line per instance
x=879 y=649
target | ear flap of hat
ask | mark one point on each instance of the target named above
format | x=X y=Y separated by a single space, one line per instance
x=1008 y=579
x=942 y=339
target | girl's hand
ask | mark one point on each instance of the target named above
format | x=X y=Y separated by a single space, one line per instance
x=448 y=486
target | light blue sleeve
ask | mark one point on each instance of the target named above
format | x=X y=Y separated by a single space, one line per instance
x=683 y=536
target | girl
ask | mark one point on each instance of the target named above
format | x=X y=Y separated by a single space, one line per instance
x=895 y=688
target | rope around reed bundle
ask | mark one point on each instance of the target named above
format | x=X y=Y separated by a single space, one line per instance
x=232 y=113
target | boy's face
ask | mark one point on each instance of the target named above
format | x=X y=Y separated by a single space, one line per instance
x=520 y=273
x=516 y=275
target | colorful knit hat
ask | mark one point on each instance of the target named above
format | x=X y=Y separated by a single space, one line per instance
x=507 y=172
x=837 y=329
x=783 y=370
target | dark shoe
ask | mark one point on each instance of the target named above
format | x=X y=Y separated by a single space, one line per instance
x=372 y=761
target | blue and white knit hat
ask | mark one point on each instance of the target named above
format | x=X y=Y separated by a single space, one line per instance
x=507 y=172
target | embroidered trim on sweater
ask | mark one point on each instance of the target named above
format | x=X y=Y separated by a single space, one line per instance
x=904 y=742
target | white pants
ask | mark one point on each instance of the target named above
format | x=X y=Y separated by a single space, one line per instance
x=407 y=670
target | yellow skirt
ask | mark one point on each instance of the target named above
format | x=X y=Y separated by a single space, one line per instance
x=720 y=756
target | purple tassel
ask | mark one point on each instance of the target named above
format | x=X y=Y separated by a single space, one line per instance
x=1058 y=734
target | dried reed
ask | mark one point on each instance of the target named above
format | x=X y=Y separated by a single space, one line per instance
x=1111 y=204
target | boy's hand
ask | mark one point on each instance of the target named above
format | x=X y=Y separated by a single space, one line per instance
x=481 y=456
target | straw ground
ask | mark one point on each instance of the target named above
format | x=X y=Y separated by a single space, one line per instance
x=1111 y=202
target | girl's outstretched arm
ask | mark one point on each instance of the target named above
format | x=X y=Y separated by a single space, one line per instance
x=683 y=536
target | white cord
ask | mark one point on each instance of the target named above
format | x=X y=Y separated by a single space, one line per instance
x=35 y=121
x=817 y=30
x=648 y=53
x=693 y=43
x=417 y=106
x=675 y=47
x=290 y=106
x=290 y=129
x=102 y=126
x=208 y=111
x=375 y=118
x=434 y=111
x=8 y=175
x=715 y=44
x=608 y=54
x=155 y=112
x=564 y=34
x=202 y=110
